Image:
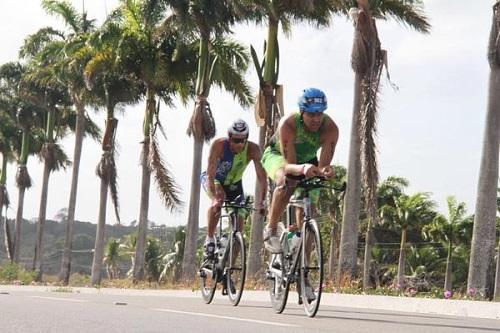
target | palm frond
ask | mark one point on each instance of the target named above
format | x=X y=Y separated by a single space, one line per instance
x=35 y=43
x=65 y=10
x=169 y=191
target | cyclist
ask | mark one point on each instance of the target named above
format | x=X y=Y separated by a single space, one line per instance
x=227 y=161
x=293 y=151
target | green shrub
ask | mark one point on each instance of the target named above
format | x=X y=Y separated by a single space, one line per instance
x=13 y=273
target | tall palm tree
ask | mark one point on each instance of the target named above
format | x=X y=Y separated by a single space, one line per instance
x=275 y=13
x=107 y=79
x=8 y=131
x=408 y=213
x=483 y=239
x=152 y=49
x=367 y=61
x=29 y=118
x=221 y=61
x=447 y=230
x=69 y=71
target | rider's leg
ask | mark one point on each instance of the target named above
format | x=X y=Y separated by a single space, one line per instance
x=213 y=213
x=281 y=196
x=236 y=246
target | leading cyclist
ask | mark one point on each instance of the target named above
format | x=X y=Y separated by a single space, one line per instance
x=293 y=151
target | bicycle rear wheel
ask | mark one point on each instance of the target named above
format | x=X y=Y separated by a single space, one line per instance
x=311 y=268
x=235 y=280
x=208 y=280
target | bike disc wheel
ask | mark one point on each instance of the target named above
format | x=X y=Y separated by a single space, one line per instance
x=235 y=280
x=311 y=268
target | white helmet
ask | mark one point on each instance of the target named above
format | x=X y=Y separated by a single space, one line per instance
x=238 y=127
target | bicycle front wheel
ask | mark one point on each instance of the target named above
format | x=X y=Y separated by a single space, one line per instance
x=208 y=280
x=279 y=284
x=311 y=267
x=236 y=271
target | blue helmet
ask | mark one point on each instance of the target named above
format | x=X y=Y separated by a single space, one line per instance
x=312 y=100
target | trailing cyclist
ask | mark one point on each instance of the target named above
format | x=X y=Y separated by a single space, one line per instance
x=293 y=151
x=227 y=161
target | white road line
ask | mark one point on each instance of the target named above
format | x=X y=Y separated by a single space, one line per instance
x=60 y=299
x=225 y=317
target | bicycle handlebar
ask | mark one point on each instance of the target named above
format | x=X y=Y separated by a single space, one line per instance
x=316 y=182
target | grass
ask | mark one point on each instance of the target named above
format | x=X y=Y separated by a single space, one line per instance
x=16 y=275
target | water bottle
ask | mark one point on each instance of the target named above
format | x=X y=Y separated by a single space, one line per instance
x=222 y=245
x=294 y=241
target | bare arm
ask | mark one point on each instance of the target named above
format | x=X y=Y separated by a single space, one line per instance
x=214 y=156
x=328 y=140
x=286 y=135
x=255 y=156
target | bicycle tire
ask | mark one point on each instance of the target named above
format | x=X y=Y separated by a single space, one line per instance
x=208 y=280
x=311 y=271
x=235 y=279
x=279 y=287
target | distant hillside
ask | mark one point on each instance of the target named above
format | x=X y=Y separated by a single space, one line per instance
x=83 y=243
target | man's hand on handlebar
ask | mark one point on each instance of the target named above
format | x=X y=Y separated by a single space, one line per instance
x=327 y=172
x=310 y=170
x=261 y=208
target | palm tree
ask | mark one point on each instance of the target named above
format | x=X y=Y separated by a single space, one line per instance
x=111 y=259
x=221 y=61
x=107 y=79
x=10 y=76
x=8 y=131
x=367 y=60
x=447 y=230
x=269 y=99
x=408 y=213
x=171 y=262
x=330 y=204
x=483 y=239
x=69 y=71
x=151 y=49
x=387 y=193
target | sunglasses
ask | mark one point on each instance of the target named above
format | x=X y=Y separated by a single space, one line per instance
x=237 y=140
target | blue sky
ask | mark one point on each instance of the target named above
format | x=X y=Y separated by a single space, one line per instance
x=430 y=130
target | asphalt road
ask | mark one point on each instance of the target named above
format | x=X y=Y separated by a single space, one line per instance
x=32 y=311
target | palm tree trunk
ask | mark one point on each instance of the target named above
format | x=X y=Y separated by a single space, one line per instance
x=68 y=240
x=352 y=201
x=402 y=261
x=256 y=240
x=496 y=296
x=448 y=279
x=38 y=259
x=4 y=202
x=138 y=268
x=100 y=234
x=333 y=260
x=23 y=182
x=483 y=237
x=368 y=255
x=189 y=259
x=197 y=129
x=143 y=215
x=19 y=221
